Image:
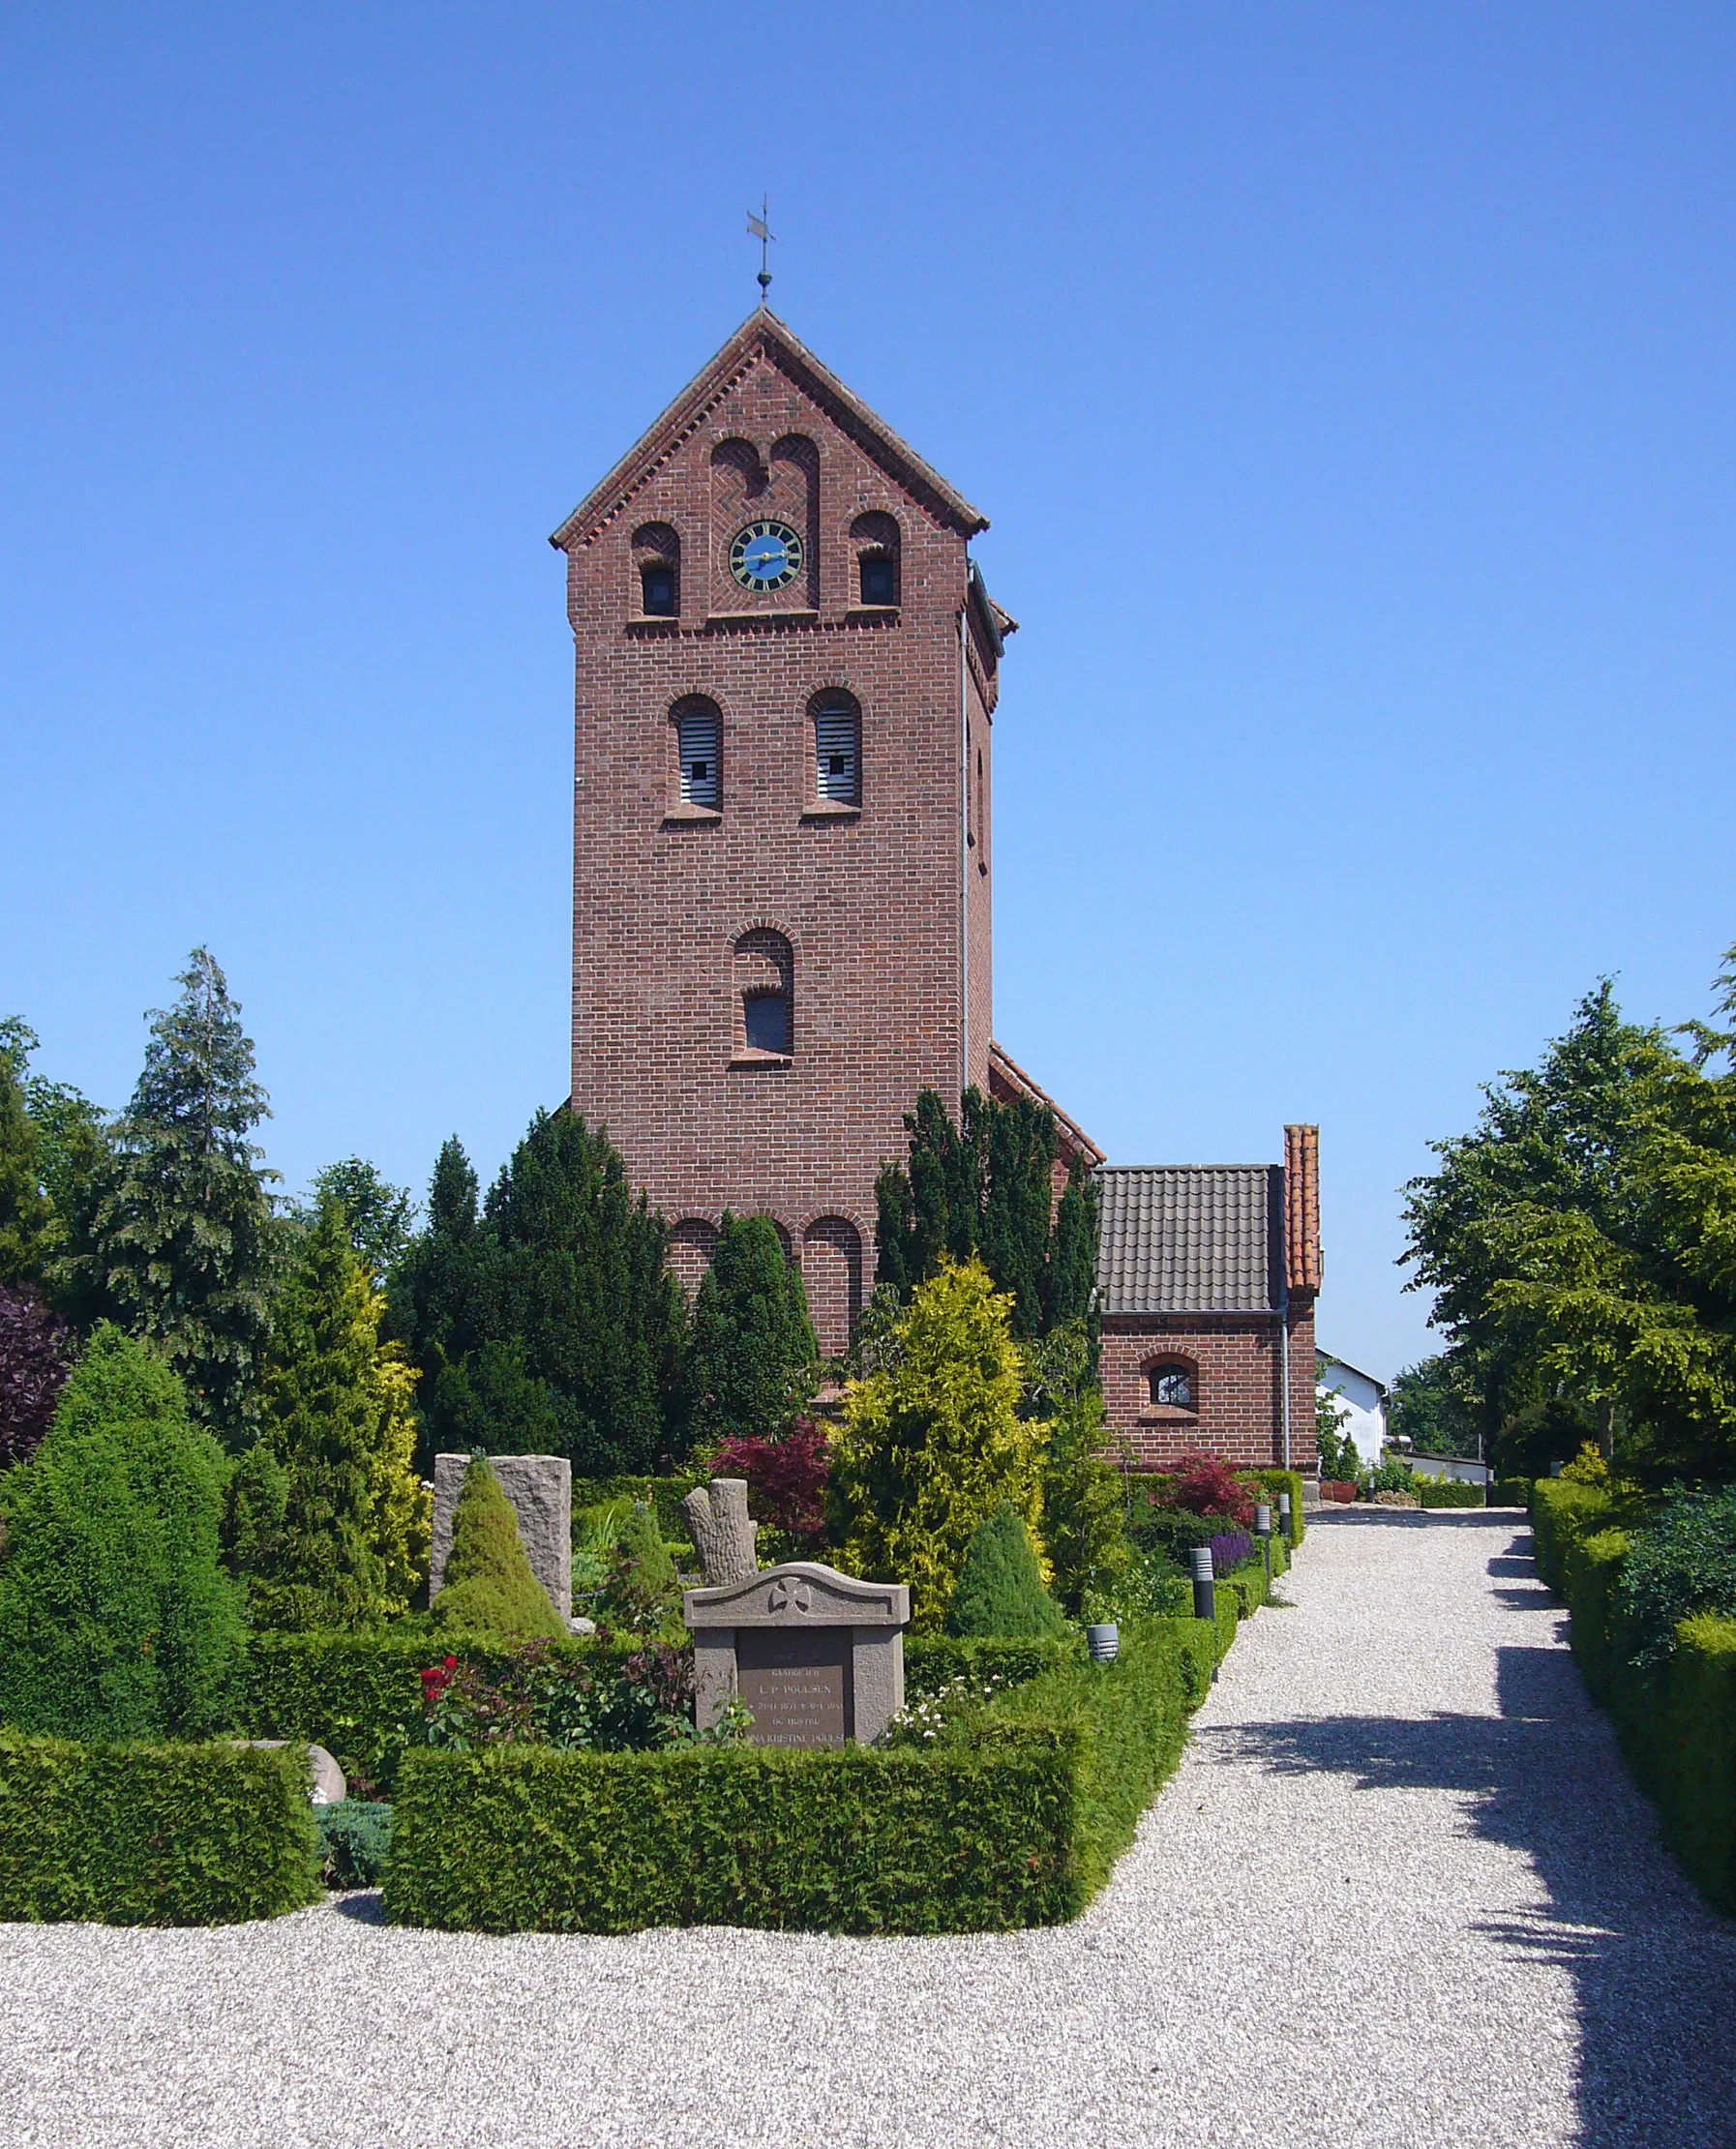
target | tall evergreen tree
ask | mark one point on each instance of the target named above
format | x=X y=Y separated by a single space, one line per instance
x=116 y=1619
x=180 y=1242
x=382 y=1218
x=984 y=1189
x=325 y=1516
x=551 y=1322
x=752 y=1356
x=27 y=1223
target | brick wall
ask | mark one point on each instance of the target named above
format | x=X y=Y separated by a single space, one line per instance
x=868 y=898
x=1238 y=1393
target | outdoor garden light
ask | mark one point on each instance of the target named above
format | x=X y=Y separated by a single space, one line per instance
x=1262 y=1519
x=1205 y=1590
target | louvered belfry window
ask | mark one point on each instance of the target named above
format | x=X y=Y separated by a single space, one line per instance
x=697 y=742
x=837 y=753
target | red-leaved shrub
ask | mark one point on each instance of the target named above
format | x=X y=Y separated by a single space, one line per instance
x=36 y=1355
x=1207 y=1486
x=787 y=1476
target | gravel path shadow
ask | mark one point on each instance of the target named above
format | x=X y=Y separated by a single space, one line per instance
x=1399 y=1895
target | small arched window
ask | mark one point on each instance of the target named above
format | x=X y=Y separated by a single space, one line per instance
x=657 y=562
x=699 y=742
x=764 y=979
x=837 y=749
x=876 y=541
x=1172 y=1386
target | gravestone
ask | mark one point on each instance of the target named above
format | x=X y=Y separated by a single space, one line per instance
x=817 y=1656
x=540 y=1488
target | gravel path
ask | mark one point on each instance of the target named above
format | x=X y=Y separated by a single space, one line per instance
x=1399 y=1893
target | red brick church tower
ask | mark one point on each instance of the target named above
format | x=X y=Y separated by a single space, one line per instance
x=786 y=673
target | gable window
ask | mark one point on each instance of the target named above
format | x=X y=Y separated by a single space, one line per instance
x=1172 y=1386
x=837 y=750
x=657 y=564
x=697 y=743
x=876 y=541
x=764 y=974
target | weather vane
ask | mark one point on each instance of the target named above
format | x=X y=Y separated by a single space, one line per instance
x=759 y=228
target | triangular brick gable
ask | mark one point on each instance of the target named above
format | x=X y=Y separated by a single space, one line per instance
x=764 y=339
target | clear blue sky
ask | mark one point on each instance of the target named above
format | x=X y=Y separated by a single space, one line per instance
x=1351 y=390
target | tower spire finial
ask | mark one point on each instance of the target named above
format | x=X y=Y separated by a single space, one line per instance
x=759 y=228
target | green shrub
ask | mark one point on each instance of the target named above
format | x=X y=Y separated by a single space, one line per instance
x=1683 y=1562
x=1560 y=1509
x=1675 y=1715
x=663 y=1494
x=355 y=1840
x=1592 y=1567
x=1275 y=1481
x=488 y=1587
x=357 y=1695
x=1000 y=1587
x=1511 y=1492
x=153 y=1835
x=1446 y=1492
x=116 y=1618
x=640 y=1587
x=931 y=1662
x=1695 y=1777
x=1017 y=1827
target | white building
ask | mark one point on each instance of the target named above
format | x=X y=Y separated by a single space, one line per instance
x=1362 y=1395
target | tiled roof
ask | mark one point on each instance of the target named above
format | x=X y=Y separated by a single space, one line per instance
x=1191 y=1238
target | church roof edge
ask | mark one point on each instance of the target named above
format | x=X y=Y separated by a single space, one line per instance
x=903 y=461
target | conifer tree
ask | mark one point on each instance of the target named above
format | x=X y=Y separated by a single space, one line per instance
x=116 y=1619
x=551 y=1322
x=933 y=1444
x=180 y=1242
x=27 y=1233
x=753 y=1360
x=488 y=1586
x=325 y=1516
x=1000 y=1588
x=984 y=1188
x=382 y=1218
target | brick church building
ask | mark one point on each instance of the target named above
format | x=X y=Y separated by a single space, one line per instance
x=787 y=668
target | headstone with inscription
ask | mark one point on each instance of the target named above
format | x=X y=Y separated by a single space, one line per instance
x=817 y=1656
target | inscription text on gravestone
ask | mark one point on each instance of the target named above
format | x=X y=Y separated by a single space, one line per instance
x=797 y=1683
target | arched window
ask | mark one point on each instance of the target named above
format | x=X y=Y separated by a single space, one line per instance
x=657 y=562
x=837 y=749
x=764 y=978
x=876 y=541
x=699 y=742
x=1172 y=1386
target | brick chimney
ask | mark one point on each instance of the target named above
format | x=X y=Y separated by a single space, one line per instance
x=1302 y=1211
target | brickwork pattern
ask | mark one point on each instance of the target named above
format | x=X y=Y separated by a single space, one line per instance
x=1237 y=1409
x=867 y=897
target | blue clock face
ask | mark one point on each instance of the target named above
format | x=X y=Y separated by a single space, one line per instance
x=765 y=555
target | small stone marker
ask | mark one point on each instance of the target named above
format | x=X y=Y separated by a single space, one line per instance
x=540 y=1488
x=817 y=1656
x=325 y=1779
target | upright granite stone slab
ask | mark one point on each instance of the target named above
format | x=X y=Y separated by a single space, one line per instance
x=817 y=1656
x=540 y=1488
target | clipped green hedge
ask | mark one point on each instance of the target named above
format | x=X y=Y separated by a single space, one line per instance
x=1447 y=1492
x=1561 y=1510
x=153 y=1835
x=1511 y=1492
x=1290 y=1481
x=932 y=1660
x=1016 y=1827
x=357 y=1695
x=1677 y=1726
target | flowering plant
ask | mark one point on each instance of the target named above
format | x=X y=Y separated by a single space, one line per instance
x=1230 y=1550
x=541 y=1694
x=941 y=1717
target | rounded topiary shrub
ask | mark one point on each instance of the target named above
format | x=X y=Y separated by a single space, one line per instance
x=1000 y=1587
x=116 y=1618
x=488 y=1586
